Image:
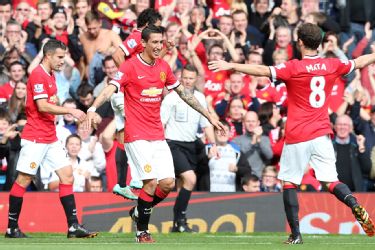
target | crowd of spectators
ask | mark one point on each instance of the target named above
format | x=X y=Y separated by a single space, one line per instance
x=254 y=109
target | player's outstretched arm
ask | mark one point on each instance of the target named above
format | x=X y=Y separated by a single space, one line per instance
x=99 y=100
x=190 y=99
x=46 y=107
x=364 y=60
x=255 y=70
x=118 y=56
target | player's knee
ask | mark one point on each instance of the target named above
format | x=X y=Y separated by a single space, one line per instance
x=188 y=180
x=24 y=180
x=150 y=185
x=189 y=183
x=67 y=179
x=167 y=185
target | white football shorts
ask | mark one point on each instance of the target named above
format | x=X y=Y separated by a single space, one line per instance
x=318 y=153
x=150 y=160
x=51 y=156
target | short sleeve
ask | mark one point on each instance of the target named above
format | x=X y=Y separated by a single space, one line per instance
x=344 y=67
x=166 y=108
x=170 y=80
x=121 y=78
x=281 y=71
x=38 y=87
x=129 y=45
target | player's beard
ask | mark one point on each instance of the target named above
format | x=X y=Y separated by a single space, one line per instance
x=58 y=68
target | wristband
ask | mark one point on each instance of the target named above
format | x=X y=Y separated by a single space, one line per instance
x=91 y=109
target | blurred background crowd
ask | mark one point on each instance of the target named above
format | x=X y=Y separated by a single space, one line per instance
x=254 y=108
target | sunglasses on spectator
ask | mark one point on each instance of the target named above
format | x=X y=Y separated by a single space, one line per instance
x=20 y=9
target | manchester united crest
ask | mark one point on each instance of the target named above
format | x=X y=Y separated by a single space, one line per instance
x=163 y=76
x=32 y=165
x=53 y=99
x=147 y=168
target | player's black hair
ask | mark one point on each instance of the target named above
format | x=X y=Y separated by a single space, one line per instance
x=310 y=35
x=52 y=45
x=191 y=68
x=146 y=32
x=148 y=17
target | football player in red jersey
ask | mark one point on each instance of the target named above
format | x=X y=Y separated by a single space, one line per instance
x=40 y=145
x=143 y=78
x=132 y=44
x=309 y=83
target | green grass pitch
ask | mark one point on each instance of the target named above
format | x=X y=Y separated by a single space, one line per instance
x=218 y=241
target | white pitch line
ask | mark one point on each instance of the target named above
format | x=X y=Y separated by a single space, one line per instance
x=121 y=243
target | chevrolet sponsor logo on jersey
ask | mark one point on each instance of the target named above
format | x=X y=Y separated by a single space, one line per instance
x=152 y=92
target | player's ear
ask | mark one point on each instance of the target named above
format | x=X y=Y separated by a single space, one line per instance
x=143 y=43
x=49 y=54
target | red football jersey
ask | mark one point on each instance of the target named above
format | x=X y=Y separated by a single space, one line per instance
x=309 y=84
x=337 y=94
x=283 y=94
x=220 y=8
x=268 y=94
x=214 y=84
x=143 y=87
x=162 y=3
x=132 y=44
x=40 y=126
x=6 y=91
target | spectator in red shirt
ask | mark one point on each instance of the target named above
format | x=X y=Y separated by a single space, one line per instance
x=16 y=75
x=236 y=85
